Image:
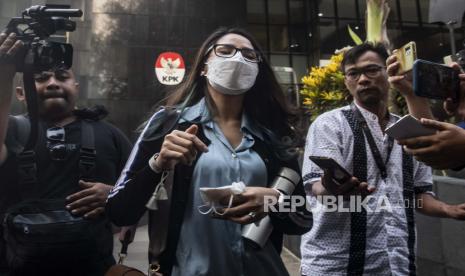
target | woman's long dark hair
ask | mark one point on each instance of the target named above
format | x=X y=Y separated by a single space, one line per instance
x=264 y=103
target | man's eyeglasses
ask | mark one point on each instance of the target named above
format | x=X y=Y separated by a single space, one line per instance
x=228 y=51
x=56 y=143
x=371 y=71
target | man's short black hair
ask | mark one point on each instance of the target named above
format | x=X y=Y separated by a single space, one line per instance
x=351 y=56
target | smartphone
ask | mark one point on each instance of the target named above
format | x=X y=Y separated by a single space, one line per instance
x=408 y=127
x=338 y=173
x=435 y=81
x=406 y=55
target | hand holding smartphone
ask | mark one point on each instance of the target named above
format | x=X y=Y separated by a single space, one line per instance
x=406 y=56
x=337 y=180
x=435 y=81
x=408 y=127
x=338 y=173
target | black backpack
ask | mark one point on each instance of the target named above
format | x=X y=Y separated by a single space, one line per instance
x=42 y=232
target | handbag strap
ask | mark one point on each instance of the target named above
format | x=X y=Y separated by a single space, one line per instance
x=124 y=246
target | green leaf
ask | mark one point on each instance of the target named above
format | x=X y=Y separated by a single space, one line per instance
x=357 y=40
x=376 y=16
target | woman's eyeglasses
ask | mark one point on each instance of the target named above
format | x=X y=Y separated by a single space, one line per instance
x=56 y=143
x=228 y=51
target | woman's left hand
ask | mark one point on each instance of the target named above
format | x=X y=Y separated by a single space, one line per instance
x=249 y=206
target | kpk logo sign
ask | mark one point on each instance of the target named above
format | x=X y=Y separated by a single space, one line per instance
x=170 y=68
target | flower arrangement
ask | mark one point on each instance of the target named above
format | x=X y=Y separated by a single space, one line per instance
x=324 y=89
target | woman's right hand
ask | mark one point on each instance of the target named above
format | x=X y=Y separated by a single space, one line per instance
x=180 y=147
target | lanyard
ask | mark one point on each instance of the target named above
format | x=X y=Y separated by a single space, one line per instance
x=371 y=142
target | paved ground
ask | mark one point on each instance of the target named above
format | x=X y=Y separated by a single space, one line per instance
x=137 y=253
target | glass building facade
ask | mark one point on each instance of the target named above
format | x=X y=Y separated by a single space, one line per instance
x=116 y=42
x=300 y=33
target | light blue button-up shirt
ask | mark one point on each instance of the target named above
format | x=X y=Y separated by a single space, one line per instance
x=209 y=246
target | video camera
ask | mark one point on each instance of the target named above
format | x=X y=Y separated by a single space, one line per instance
x=34 y=27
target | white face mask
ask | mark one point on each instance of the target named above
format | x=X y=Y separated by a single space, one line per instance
x=231 y=76
x=213 y=196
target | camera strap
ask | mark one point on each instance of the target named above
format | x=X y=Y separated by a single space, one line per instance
x=31 y=99
x=380 y=163
x=27 y=168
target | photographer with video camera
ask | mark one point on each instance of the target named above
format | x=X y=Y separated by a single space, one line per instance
x=445 y=149
x=57 y=163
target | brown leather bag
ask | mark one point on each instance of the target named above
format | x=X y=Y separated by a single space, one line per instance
x=120 y=269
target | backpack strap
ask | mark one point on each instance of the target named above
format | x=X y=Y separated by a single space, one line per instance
x=27 y=168
x=17 y=133
x=87 y=158
x=23 y=128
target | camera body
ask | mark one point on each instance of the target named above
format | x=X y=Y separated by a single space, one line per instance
x=34 y=28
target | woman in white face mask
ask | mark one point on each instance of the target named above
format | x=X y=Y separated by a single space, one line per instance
x=233 y=126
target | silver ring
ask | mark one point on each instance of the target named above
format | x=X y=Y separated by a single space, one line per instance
x=252 y=214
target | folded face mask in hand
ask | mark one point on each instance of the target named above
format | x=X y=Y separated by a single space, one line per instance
x=212 y=197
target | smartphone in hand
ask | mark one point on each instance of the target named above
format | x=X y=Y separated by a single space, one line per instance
x=408 y=127
x=406 y=55
x=338 y=173
x=435 y=81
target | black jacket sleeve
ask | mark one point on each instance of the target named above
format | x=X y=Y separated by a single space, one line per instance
x=126 y=202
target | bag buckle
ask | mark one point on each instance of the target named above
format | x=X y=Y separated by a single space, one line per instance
x=153 y=269
x=87 y=161
x=121 y=257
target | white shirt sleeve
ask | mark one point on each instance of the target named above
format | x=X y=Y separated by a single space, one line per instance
x=324 y=138
x=423 y=177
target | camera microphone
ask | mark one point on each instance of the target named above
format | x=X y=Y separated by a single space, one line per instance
x=43 y=11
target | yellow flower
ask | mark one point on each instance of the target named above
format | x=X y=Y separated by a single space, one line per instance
x=308 y=101
x=323 y=88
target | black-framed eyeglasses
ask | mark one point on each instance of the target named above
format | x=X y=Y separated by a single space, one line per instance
x=56 y=143
x=371 y=71
x=228 y=51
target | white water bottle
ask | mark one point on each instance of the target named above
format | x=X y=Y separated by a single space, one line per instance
x=258 y=232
